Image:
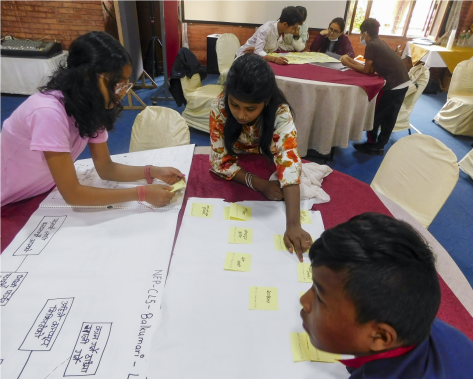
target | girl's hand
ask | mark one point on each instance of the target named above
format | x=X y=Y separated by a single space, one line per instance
x=281 y=61
x=168 y=175
x=159 y=195
x=298 y=239
x=272 y=190
x=324 y=32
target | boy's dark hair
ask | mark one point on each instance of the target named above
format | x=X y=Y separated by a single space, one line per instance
x=390 y=272
x=303 y=11
x=340 y=22
x=251 y=80
x=370 y=25
x=89 y=55
x=291 y=15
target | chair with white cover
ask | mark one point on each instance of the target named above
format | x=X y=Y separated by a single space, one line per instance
x=466 y=164
x=418 y=173
x=456 y=116
x=158 y=127
x=227 y=46
x=419 y=75
x=199 y=99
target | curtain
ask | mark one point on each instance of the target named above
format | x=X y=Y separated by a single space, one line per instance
x=452 y=22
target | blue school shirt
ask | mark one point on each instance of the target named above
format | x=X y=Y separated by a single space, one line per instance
x=446 y=354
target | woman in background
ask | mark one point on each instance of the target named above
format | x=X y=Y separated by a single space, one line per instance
x=333 y=40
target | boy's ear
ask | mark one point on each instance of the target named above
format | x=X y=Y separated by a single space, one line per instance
x=383 y=337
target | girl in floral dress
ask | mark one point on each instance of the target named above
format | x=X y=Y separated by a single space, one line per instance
x=253 y=116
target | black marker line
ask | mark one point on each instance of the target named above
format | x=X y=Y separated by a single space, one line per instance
x=21 y=264
x=25 y=364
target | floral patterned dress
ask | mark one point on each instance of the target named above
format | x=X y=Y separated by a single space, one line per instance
x=284 y=144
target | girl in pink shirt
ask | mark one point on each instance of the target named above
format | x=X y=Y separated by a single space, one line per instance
x=79 y=105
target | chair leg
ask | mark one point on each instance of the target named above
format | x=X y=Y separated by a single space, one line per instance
x=409 y=131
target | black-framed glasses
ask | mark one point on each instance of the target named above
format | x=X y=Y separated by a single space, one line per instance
x=331 y=31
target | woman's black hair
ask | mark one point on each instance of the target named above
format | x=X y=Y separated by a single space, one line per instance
x=303 y=11
x=89 y=55
x=340 y=22
x=251 y=80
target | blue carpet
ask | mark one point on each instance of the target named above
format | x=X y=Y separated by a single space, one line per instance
x=453 y=226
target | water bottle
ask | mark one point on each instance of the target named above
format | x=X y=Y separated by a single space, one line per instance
x=461 y=38
x=468 y=39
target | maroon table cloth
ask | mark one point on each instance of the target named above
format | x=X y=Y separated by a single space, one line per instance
x=349 y=197
x=372 y=84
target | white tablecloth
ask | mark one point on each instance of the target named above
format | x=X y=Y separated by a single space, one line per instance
x=431 y=59
x=23 y=76
x=327 y=114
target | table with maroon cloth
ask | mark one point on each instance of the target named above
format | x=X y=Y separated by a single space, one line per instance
x=349 y=197
x=331 y=107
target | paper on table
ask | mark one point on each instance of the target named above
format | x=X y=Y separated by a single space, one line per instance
x=240 y=235
x=239 y=212
x=237 y=262
x=305 y=217
x=264 y=298
x=279 y=242
x=179 y=185
x=202 y=210
x=226 y=213
x=304 y=272
x=303 y=350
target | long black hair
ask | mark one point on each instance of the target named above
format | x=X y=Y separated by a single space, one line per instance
x=251 y=80
x=90 y=54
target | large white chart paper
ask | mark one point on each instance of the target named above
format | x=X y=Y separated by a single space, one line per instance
x=206 y=329
x=81 y=291
x=179 y=157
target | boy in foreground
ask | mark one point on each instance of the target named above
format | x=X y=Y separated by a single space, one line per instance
x=380 y=58
x=375 y=295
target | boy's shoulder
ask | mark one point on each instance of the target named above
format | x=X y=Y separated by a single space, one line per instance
x=445 y=354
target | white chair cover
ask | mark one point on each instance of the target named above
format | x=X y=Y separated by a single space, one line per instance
x=456 y=116
x=158 y=127
x=419 y=74
x=466 y=164
x=198 y=100
x=419 y=172
x=227 y=46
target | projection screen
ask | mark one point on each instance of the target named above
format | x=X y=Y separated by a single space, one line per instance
x=319 y=13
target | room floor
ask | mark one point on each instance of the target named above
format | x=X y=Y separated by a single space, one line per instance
x=453 y=226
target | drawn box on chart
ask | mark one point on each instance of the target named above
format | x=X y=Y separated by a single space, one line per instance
x=44 y=232
x=10 y=281
x=89 y=348
x=47 y=326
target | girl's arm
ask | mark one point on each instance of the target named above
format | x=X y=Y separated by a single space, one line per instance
x=367 y=68
x=64 y=174
x=109 y=170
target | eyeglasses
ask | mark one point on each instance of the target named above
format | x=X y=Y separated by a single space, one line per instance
x=120 y=87
x=331 y=31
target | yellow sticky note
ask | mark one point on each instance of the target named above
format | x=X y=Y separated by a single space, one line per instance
x=177 y=186
x=237 y=262
x=226 y=213
x=304 y=272
x=240 y=235
x=239 y=212
x=202 y=210
x=305 y=217
x=300 y=348
x=279 y=242
x=264 y=298
x=317 y=355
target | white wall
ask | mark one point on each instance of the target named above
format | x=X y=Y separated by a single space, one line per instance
x=319 y=13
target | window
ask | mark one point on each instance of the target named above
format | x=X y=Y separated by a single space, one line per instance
x=396 y=17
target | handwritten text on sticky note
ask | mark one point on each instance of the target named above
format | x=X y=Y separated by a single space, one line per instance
x=304 y=272
x=226 y=213
x=237 y=262
x=264 y=298
x=239 y=212
x=305 y=217
x=202 y=210
x=279 y=242
x=240 y=235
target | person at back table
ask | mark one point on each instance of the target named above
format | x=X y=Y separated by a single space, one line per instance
x=380 y=58
x=333 y=40
x=269 y=35
x=296 y=42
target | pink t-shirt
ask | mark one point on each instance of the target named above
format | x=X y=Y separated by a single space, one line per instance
x=39 y=124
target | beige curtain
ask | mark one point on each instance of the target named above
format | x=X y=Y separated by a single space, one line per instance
x=452 y=22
